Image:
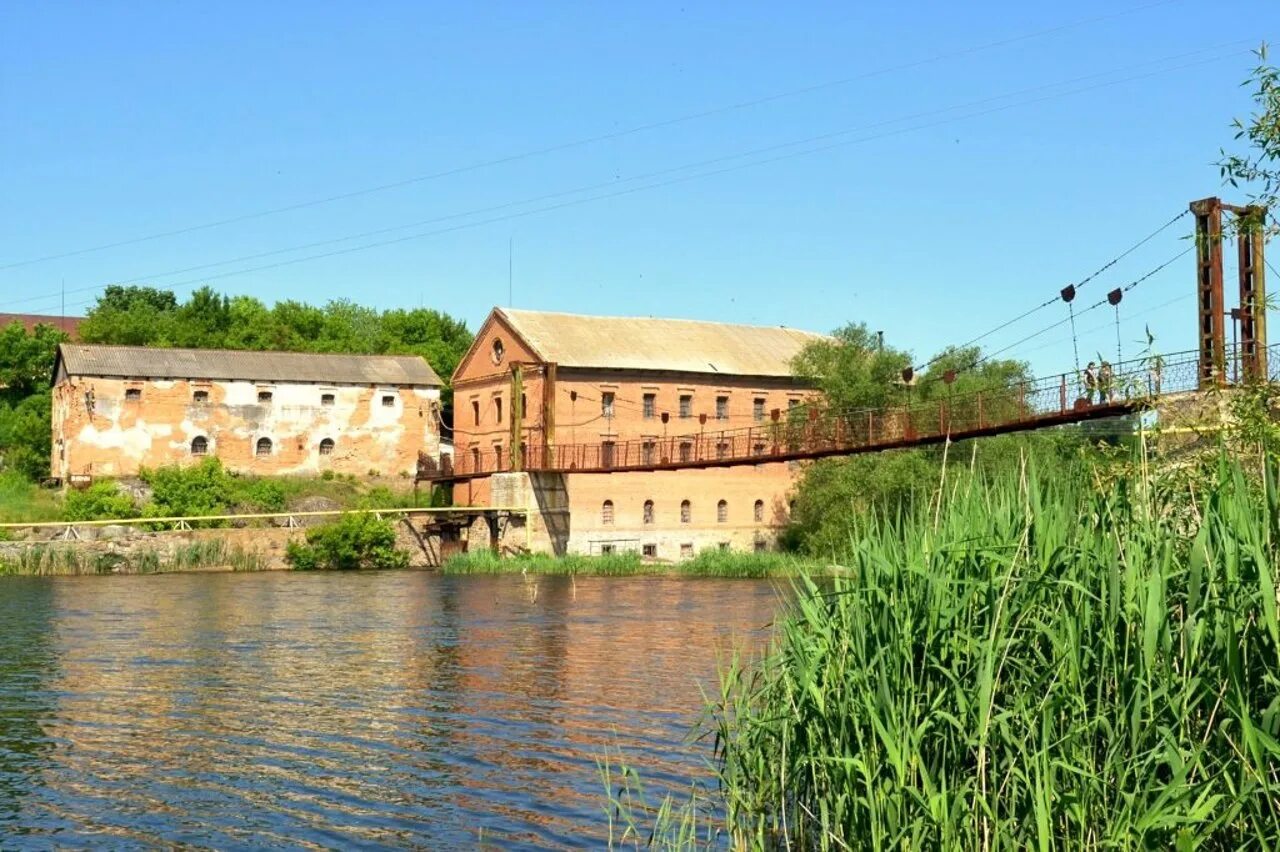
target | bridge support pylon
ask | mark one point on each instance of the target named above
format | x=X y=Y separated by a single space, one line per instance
x=1251 y=313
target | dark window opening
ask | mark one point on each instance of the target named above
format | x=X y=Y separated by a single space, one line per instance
x=722 y=511
x=757 y=408
x=722 y=408
x=686 y=405
x=758 y=511
x=650 y=405
x=132 y=394
x=722 y=450
x=264 y=396
x=648 y=511
x=200 y=396
x=724 y=545
x=647 y=452
x=388 y=401
x=199 y=445
x=524 y=407
x=686 y=451
x=650 y=551
x=761 y=545
x=686 y=550
x=686 y=511
x=606 y=550
x=497 y=408
x=607 y=453
x=326 y=399
x=475 y=413
x=326 y=447
x=606 y=512
x=264 y=447
x=606 y=403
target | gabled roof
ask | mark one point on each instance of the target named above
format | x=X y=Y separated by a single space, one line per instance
x=146 y=362
x=645 y=343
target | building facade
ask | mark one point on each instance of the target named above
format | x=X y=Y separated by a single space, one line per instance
x=605 y=382
x=117 y=409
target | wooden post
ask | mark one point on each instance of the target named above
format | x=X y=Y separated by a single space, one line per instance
x=517 y=416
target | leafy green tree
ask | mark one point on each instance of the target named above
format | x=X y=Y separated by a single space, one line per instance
x=852 y=369
x=1258 y=166
x=26 y=369
x=100 y=501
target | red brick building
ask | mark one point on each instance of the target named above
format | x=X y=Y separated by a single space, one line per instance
x=608 y=380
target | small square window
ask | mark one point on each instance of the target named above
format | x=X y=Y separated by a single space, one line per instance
x=200 y=396
x=650 y=551
x=132 y=394
x=650 y=405
x=792 y=403
x=388 y=400
x=264 y=396
x=722 y=408
x=686 y=551
x=327 y=400
x=686 y=405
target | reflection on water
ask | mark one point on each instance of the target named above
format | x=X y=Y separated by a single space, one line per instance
x=348 y=710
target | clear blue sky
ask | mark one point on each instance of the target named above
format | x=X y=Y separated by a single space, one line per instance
x=122 y=120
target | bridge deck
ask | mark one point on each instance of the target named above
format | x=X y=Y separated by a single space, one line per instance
x=810 y=433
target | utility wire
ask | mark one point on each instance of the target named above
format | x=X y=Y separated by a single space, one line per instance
x=926 y=365
x=604 y=137
x=694 y=176
x=1095 y=305
x=641 y=177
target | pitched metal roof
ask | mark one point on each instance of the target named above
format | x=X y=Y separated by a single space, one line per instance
x=156 y=363
x=645 y=343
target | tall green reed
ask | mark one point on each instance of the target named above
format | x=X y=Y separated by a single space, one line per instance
x=1047 y=664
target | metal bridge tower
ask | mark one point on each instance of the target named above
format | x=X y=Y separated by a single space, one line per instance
x=1251 y=313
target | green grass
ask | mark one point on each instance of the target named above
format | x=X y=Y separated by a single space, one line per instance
x=1052 y=665
x=709 y=563
x=22 y=501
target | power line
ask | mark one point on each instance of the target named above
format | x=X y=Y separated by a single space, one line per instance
x=1126 y=288
x=684 y=178
x=604 y=137
x=1054 y=299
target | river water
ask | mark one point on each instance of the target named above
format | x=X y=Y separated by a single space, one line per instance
x=349 y=710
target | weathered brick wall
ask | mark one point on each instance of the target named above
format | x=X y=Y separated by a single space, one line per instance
x=99 y=430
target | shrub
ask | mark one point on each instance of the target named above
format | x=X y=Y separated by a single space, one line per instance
x=354 y=541
x=202 y=489
x=100 y=501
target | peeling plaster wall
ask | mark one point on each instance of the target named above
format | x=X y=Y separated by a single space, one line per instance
x=99 y=430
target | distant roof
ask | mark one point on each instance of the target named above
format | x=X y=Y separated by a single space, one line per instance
x=71 y=325
x=645 y=343
x=146 y=362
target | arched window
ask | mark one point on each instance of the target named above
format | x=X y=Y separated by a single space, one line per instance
x=722 y=511
x=326 y=447
x=648 y=511
x=199 y=445
x=759 y=510
x=264 y=447
x=475 y=458
x=606 y=512
x=686 y=511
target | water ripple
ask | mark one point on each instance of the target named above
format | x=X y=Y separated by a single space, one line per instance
x=379 y=710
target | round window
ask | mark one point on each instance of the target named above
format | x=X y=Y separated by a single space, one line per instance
x=498 y=351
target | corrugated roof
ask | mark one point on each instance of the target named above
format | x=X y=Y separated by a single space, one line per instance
x=645 y=343
x=156 y=363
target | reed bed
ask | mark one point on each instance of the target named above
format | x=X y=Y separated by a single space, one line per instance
x=709 y=563
x=69 y=559
x=1023 y=664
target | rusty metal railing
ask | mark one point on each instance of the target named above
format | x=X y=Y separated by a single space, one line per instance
x=810 y=431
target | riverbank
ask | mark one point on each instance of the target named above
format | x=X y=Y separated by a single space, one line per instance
x=709 y=563
x=124 y=550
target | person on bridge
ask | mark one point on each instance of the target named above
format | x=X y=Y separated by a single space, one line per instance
x=1106 y=383
x=1090 y=378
